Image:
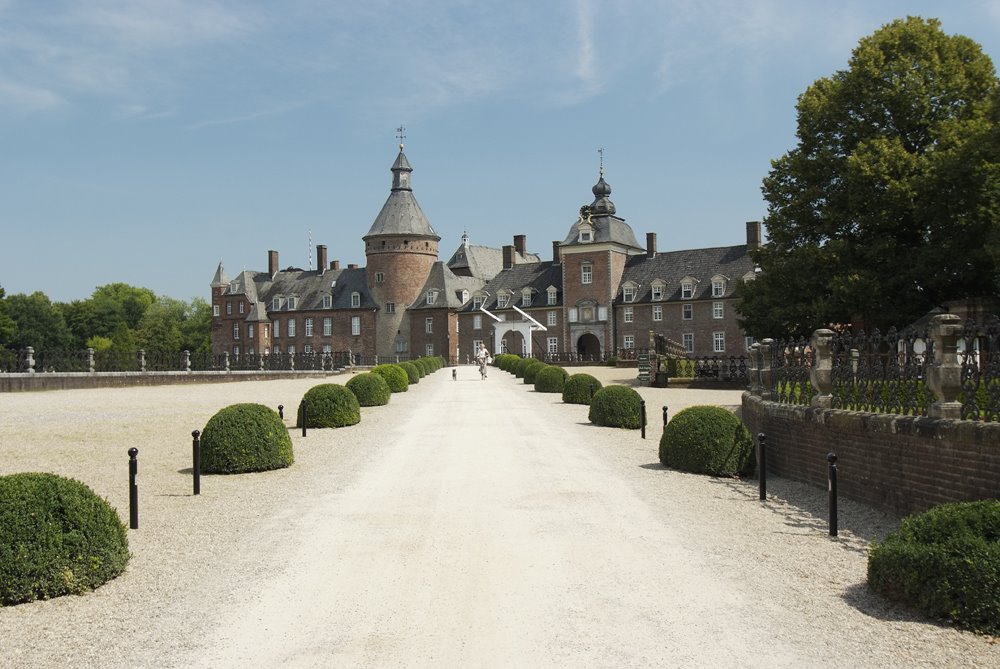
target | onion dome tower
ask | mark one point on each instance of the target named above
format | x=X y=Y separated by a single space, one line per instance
x=400 y=248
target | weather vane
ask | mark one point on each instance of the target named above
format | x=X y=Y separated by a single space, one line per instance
x=601 y=151
x=400 y=135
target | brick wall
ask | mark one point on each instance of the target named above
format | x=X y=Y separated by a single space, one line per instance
x=702 y=325
x=899 y=463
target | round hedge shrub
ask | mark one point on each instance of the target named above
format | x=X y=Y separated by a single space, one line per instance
x=370 y=389
x=616 y=406
x=510 y=362
x=413 y=371
x=245 y=438
x=504 y=361
x=708 y=440
x=57 y=537
x=330 y=405
x=551 y=379
x=531 y=369
x=580 y=388
x=946 y=563
x=521 y=365
x=394 y=375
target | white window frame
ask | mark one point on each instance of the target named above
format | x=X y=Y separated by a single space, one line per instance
x=355 y=300
x=628 y=293
x=379 y=277
x=551 y=318
x=657 y=312
x=688 y=340
x=552 y=344
x=291 y=302
x=687 y=290
x=429 y=350
x=215 y=310
x=429 y=325
x=687 y=312
x=276 y=328
x=242 y=307
x=327 y=326
x=431 y=297
x=236 y=330
x=275 y=304
x=309 y=327
x=477 y=301
x=553 y=297
x=629 y=342
x=526 y=297
x=719 y=342
x=307 y=348
x=477 y=322
x=628 y=315
x=718 y=310
x=718 y=288
x=327 y=301
x=250 y=329
x=291 y=327
x=390 y=307
x=587 y=273
x=657 y=292
x=291 y=349
x=502 y=301
x=327 y=349
x=355 y=326
x=229 y=308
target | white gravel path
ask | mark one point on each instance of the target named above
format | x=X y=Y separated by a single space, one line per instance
x=466 y=524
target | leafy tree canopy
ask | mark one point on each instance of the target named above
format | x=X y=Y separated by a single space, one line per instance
x=888 y=205
x=7 y=325
x=39 y=322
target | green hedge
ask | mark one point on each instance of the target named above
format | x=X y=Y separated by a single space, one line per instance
x=414 y=370
x=551 y=379
x=616 y=406
x=946 y=563
x=330 y=405
x=708 y=440
x=520 y=365
x=580 y=388
x=531 y=369
x=245 y=438
x=506 y=361
x=57 y=537
x=394 y=375
x=370 y=389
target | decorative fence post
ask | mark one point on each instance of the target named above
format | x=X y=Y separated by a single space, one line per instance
x=944 y=374
x=28 y=365
x=754 y=369
x=766 y=386
x=225 y=360
x=142 y=360
x=186 y=360
x=821 y=372
x=90 y=361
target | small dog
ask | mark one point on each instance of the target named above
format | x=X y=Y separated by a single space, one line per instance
x=454 y=375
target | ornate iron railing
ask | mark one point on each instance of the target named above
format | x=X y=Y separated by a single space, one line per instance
x=791 y=360
x=979 y=355
x=732 y=368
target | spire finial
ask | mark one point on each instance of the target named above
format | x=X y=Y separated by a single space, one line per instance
x=601 y=151
x=400 y=136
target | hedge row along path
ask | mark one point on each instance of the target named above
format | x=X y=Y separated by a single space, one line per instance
x=464 y=524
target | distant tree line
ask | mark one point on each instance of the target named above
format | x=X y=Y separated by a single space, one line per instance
x=116 y=317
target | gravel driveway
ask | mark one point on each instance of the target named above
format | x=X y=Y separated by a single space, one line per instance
x=468 y=523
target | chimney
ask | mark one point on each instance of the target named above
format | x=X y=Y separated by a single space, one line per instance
x=334 y=264
x=321 y=257
x=508 y=256
x=352 y=265
x=650 y=244
x=753 y=235
x=555 y=252
x=519 y=245
x=272 y=263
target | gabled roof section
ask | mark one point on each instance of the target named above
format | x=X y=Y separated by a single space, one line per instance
x=309 y=287
x=482 y=262
x=536 y=276
x=401 y=215
x=449 y=288
x=699 y=264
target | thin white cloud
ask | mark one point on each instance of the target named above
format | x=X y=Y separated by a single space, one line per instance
x=585 y=69
x=251 y=116
x=26 y=99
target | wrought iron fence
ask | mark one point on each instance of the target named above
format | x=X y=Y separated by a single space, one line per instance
x=791 y=360
x=62 y=361
x=979 y=355
x=10 y=361
x=573 y=358
x=733 y=368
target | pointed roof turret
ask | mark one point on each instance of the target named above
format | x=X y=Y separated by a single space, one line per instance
x=401 y=215
x=220 y=277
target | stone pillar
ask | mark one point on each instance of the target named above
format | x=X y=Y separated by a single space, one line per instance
x=944 y=374
x=28 y=364
x=261 y=358
x=754 y=369
x=766 y=385
x=291 y=362
x=821 y=373
x=90 y=361
x=142 y=360
x=186 y=360
x=225 y=360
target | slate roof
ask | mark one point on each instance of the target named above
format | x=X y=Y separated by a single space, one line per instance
x=732 y=262
x=449 y=288
x=482 y=262
x=220 y=276
x=607 y=227
x=401 y=214
x=308 y=287
x=538 y=276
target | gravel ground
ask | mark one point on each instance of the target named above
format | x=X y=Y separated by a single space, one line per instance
x=470 y=523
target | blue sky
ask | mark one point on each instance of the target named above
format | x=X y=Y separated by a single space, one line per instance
x=145 y=140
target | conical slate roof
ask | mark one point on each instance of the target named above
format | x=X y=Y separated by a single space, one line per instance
x=401 y=214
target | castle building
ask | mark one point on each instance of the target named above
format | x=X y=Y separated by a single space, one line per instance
x=599 y=294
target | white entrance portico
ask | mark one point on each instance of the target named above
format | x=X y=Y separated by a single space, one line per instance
x=524 y=328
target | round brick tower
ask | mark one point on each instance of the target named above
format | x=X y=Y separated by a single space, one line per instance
x=400 y=247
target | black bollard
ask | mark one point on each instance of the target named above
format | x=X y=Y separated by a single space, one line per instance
x=196 y=461
x=281 y=411
x=304 y=414
x=642 y=417
x=133 y=489
x=762 y=465
x=832 y=478
x=665 y=415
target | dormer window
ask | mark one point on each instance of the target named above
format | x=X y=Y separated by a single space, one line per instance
x=355 y=300
x=465 y=296
x=586 y=236
x=477 y=301
x=502 y=301
x=656 y=291
x=291 y=302
x=718 y=286
x=327 y=301
x=275 y=304
x=687 y=290
x=553 y=295
x=431 y=296
x=526 y=297
x=629 y=291
x=232 y=286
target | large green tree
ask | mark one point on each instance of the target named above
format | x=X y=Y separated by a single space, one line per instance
x=888 y=205
x=40 y=323
x=7 y=325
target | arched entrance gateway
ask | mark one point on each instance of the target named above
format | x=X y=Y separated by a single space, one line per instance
x=513 y=342
x=589 y=346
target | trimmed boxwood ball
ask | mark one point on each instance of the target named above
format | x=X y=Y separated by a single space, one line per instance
x=330 y=405
x=580 y=388
x=551 y=379
x=521 y=365
x=245 y=438
x=616 y=406
x=944 y=562
x=413 y=371
x=531 y=369
x=57 y=537
x=708 y=440
x=370 y=389
x=394 y=375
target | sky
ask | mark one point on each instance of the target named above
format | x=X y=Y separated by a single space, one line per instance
x=145 y=141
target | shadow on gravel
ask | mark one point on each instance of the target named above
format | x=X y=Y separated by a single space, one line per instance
x=860 y=597
x=655 y=466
